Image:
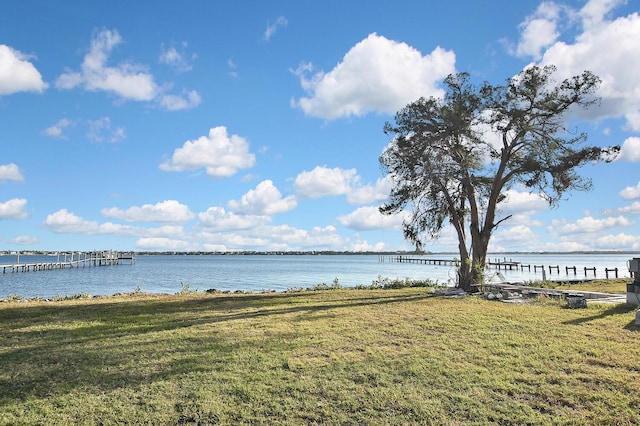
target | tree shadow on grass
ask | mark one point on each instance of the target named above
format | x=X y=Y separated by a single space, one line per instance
x=48 y=350
x=616 y=309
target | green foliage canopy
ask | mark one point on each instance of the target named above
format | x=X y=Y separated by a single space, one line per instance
x=452 y=159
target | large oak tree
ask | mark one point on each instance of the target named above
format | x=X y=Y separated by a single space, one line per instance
x=452 y=159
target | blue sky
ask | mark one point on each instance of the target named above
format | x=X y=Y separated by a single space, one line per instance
x=250 y=125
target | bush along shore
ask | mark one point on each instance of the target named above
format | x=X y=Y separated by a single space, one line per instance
x=347 y=356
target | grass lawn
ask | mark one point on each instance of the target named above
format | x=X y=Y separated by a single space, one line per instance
x=617 y=285
x=317 y=357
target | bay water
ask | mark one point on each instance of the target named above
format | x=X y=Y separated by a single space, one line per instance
x=257 y=273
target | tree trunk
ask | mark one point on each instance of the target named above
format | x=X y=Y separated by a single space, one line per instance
x=471 y=272
x=465 y=278
x=465 y=271
x=470 y=276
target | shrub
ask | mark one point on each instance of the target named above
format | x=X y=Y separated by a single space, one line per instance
x=186 y=289
x=323 y=286
x=58 y=297
x=14 y=298
x=387 y=283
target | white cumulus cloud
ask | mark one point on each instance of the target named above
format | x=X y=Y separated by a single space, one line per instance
x=520 y=236
x=519 y=202
x=169 y=211
x=587 y=224
x=606 y=46
x=186 y=100
x=370 y=193
x=66 y=222
x=17 y=74
x=10 y=172
x=631 y=192
x=323 y=181
x=615 y=242
x=265 y=199
x=539 y=30
x=63 y=221
x=594 y=12
x=322 y=237
x=376 y=75
x=218 y=153
x=13 y=209
x=24 y=240
x=161 y=243
x=217 y=219
x=630 y=150
x=127 y=80
x=367 y=218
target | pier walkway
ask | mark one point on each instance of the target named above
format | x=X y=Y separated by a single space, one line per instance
x=72 y=260
x=509 y=265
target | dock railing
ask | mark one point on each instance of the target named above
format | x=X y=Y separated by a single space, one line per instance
x=71 y=260
x=506 y=265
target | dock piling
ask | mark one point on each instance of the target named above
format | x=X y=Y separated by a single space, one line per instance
x=502 y=264
x=102 y=258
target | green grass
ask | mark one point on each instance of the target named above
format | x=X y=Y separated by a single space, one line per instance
x=618 y=285
x=612 y=285
x=317 y=357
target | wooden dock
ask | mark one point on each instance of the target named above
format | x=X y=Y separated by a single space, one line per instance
x=509 y=265
x=72 y=260
x=424 y=260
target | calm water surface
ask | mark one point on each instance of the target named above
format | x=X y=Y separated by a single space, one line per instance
x=164 y=274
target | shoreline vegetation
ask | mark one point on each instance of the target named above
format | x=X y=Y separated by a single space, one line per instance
x=403 y=355
x=607 y=285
